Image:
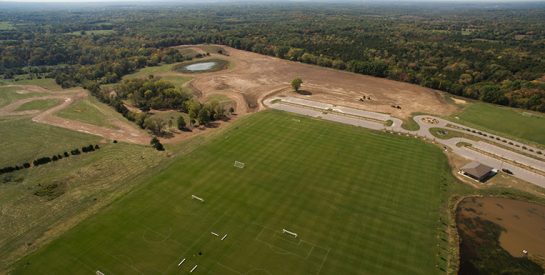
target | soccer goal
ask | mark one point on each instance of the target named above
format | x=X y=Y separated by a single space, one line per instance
x=99 y=273
x=293 y=234
x=197 y=198
x=239 y=164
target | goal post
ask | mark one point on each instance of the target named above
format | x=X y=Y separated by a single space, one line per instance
x=293 y=234
x=239 y=164
x=197 y=198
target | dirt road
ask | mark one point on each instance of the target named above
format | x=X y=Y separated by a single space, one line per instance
x=523 y=167
x=126 y=132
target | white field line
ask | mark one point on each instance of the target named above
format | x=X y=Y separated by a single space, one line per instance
x=323 y=262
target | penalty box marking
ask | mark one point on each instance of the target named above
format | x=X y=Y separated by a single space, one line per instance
x=300 y=242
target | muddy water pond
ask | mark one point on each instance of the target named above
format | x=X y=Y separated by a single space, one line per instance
x=494 y=232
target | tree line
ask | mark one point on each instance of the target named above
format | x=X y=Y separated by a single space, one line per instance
x=154 y=93
x=496 y=56
x=47 y=159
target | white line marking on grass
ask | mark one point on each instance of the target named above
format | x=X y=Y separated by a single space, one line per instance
x=129 y=265
x=281 y=235
x=165 y=237
x=310 y=252
x=259 y=269
x=83 y=263
x=230 y=268
x=203 y=234
x=284 y=251
x=323 y=262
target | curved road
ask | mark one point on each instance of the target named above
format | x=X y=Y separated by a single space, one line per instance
x=523 y=167
x=124 y=132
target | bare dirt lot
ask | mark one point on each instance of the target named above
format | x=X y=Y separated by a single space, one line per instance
x=252 y=77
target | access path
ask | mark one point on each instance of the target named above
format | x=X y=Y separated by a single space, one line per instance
x=481 y=148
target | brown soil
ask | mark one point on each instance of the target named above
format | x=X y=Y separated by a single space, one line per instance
x=125 y=131
x=459 y=101
x=254 y=77
x=524 y=223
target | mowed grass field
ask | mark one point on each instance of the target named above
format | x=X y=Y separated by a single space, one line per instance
x=361 y=202
x=517 y=123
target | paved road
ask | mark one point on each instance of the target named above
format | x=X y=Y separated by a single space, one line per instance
x=376 y=121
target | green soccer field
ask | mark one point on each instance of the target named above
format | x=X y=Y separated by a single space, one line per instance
x=361 y=202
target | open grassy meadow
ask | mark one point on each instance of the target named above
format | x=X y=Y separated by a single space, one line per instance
x=48 y=83
x=519 y=124
x=40 y=202
x=42 y=104
x=90 y=110
x=360 y=202
x=12 y=94
x=23 y=140
x=164 y=71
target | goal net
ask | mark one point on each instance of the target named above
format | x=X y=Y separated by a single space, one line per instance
x=239 y=164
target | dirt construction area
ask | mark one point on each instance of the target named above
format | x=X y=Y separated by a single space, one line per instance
x=252 y=77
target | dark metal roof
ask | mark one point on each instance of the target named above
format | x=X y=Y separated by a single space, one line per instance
x=476 y=169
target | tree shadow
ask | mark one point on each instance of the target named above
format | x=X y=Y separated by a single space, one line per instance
x=304 y=92
x=166 y=135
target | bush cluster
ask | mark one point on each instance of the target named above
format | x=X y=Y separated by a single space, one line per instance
x=47 y=159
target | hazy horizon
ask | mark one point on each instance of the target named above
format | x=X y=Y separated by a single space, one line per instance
x=262 y=1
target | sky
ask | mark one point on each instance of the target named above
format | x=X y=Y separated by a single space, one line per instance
x=195 y=1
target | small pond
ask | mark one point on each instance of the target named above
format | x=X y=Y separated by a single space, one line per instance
x=199 y=67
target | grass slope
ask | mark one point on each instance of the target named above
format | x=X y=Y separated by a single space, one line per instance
x=90 y=111
x=163 y=71
x=48 y=83
x=361 y=202
x=23 y=140
x=516 y=123
x=81 y=185
x=11 y=94
x=41 y=104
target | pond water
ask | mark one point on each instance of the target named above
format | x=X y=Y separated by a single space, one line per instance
x=495 y=231
x=197 y=67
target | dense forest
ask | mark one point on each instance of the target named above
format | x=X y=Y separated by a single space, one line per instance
x=493 y=53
